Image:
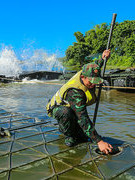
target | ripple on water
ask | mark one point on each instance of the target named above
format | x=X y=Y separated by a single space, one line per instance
x=115 y=116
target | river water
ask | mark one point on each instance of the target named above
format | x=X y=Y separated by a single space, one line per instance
x=116 y=115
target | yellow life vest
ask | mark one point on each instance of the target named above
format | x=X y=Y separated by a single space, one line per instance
x=74 y=83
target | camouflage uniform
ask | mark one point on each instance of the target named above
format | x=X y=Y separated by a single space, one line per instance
x=74 y=121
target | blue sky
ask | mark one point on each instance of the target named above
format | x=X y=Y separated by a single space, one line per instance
x=50 y=25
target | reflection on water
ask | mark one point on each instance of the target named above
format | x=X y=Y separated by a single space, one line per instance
x=116 y=111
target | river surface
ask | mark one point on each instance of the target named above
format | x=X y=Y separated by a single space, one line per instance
x=116 y=115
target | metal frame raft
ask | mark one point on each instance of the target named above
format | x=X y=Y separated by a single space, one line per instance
x=38 y=152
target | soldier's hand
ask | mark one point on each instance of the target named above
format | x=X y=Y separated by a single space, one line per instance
x=105 y=147
x=106 y=54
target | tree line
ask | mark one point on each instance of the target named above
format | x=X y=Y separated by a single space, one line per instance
x=90 y=46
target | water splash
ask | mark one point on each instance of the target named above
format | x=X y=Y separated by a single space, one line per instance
x=41 y=61
x=9 y=64
x=36 y=60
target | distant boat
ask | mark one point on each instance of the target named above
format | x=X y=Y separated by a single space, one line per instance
x=122 y=80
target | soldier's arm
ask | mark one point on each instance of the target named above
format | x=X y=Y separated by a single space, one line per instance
x=106 y=54
x=77 y=100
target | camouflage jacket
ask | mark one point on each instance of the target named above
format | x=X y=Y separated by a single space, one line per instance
x=77 y=101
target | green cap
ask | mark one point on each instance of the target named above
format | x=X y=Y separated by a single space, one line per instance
x=92 y=71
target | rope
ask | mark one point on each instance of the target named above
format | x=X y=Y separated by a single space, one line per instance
x=118 y=87
x=27 y=126
x=47 y=131
x=93 y=160
x=52 y=163
x=10 y=156
x=18 y=120
x=5 y=117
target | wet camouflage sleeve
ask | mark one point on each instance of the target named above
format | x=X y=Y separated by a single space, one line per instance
x=99 y=62
x=77 y=100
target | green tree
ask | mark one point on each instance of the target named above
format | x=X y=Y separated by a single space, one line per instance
x=76 y=55
x=79 y=37
x=123 y=43
x=95 y=40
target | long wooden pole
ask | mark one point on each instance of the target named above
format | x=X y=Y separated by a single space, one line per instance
x=103 y=71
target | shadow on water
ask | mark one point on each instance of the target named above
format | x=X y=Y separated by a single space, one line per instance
x=113 y=141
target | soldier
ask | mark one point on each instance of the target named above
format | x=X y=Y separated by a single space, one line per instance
x=68 y=106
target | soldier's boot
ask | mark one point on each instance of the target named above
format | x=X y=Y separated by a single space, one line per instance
x=70 y=141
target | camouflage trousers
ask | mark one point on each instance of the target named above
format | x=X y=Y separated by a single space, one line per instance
x=67 y=121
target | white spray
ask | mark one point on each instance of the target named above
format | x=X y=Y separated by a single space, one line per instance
x=9 y=64
x=39 y=60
